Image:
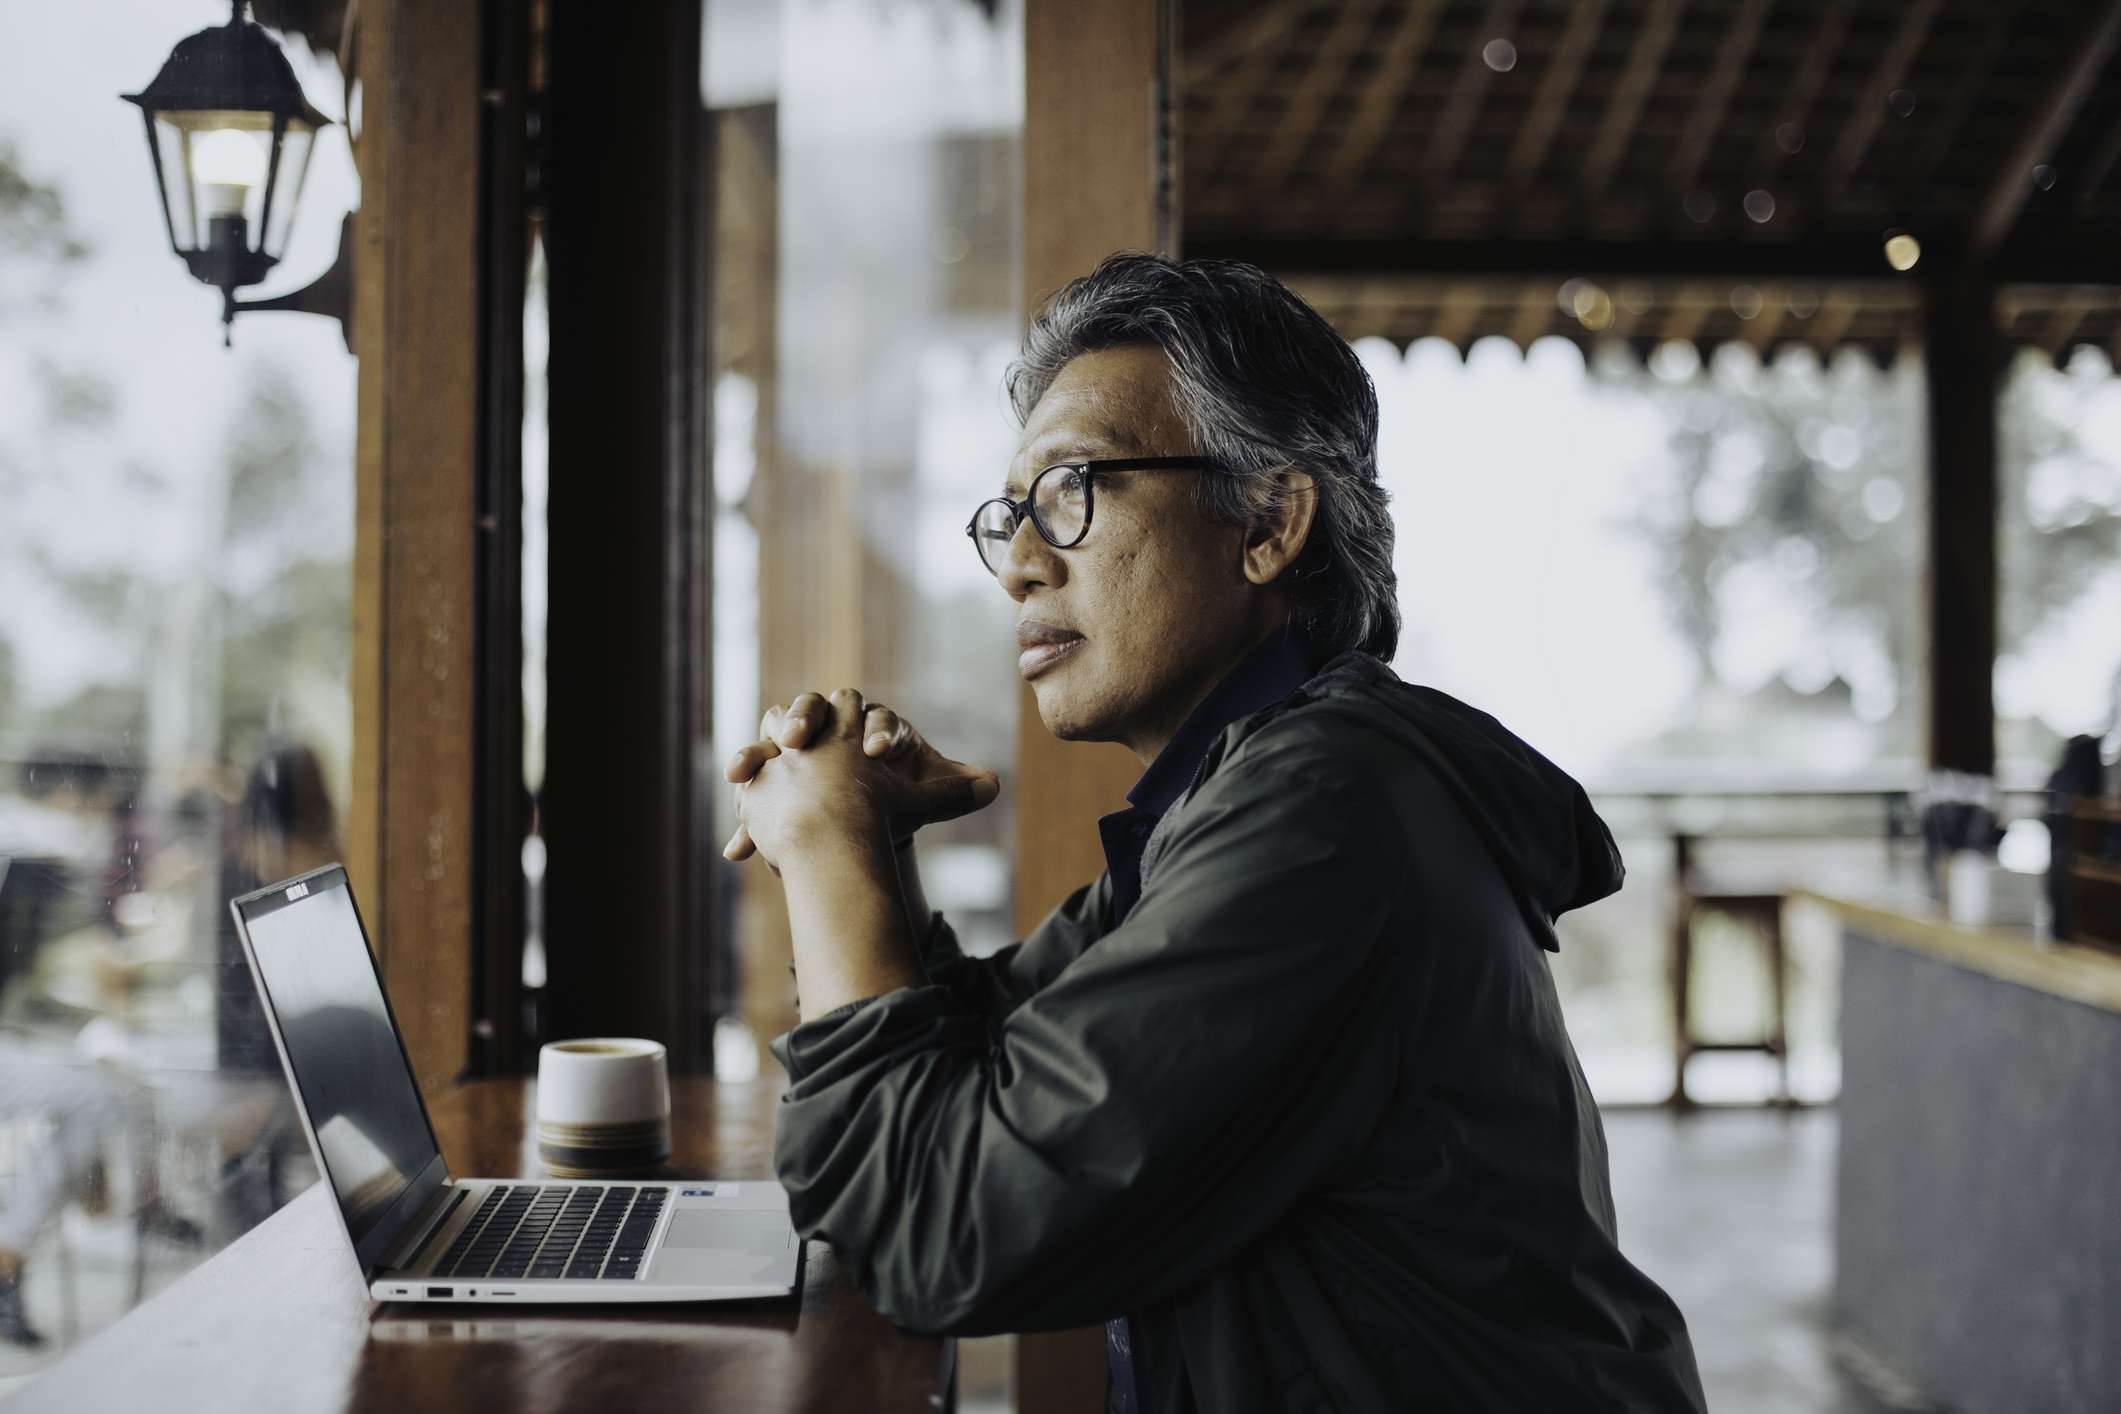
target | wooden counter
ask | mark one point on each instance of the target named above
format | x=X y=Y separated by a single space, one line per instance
x=282 y=1321
x=2075 y=971
x=1977 y=1231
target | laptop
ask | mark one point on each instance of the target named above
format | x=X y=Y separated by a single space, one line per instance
x=420 y=1235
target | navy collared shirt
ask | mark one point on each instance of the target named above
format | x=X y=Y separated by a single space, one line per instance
x=1281 y=663
x=1276 y=667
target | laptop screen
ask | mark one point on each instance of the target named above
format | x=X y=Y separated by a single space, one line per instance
x=349 y=1071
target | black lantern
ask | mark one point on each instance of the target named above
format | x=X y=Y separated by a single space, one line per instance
x=230 y=133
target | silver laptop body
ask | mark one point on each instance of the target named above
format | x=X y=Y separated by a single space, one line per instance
x=420 y=1235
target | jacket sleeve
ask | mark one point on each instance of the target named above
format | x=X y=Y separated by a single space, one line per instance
x=1150 y=1111
x=995 y=985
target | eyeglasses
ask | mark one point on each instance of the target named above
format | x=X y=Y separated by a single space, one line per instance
x=1058 y=503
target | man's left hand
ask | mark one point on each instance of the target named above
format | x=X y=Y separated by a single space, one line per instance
x=831 y=793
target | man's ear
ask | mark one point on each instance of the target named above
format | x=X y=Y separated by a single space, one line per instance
x=1277 y=538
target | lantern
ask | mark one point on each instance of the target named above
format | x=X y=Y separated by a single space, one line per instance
x=230 y=135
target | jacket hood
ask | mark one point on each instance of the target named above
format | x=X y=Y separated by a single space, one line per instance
x=1535 y=818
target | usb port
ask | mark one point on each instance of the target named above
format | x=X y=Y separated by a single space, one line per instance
x=434 y=1292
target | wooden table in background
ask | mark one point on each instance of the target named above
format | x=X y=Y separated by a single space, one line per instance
x=282 y=1321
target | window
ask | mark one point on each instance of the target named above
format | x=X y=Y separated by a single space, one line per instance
x=176 y=525
x=1682 y=581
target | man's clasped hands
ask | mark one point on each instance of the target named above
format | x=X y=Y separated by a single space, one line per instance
x=830 y=770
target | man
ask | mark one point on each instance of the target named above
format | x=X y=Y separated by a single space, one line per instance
x=1284 y=1095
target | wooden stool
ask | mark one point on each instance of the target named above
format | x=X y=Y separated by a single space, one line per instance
x=1761 y=909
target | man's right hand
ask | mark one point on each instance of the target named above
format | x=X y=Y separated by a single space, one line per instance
x=936 y=783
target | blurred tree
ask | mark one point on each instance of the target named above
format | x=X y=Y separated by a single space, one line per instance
x=39 y=251
x=34 y=236
x=1792 y=489
x=285 y=610
x=1806 y=484
x=254 y=617
x=2059 y=498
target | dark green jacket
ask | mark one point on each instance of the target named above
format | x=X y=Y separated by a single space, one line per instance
x=1308 y=1116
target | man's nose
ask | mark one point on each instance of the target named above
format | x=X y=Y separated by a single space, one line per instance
x=1027 y=560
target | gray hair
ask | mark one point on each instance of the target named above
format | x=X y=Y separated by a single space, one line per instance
x=1265 y=385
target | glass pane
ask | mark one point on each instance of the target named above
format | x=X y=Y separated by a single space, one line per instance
x=2058 y=664
x=295 y=149
x=1686 y=582
x=173 y=146
x=866 y=301
x=174 y=649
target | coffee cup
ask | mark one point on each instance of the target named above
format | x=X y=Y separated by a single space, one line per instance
x=603 y=1106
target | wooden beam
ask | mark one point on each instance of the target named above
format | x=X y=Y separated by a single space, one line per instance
x=2087 y=180
x=416 y=322
x=1812 y=70
x=2012 y=183
x=1961 y=95
x=1761 y=328
x=1307 y=100
x=1253 y=34
x=1383 y=92
x=1460 y=312
x=1556 y=86
x=1822 y=258
x=1855 y=138
x=1686 y=312
x=1705 y=121
x=1628 y=311
x=1624 y=106
x=2069 y=312
x=746 y=344
x=1447 y=138
x=1837 y=310
x=1535 y=313
x=1091 y=186
x=1232 y=93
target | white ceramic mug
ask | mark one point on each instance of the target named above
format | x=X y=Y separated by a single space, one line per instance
x=603 y=1105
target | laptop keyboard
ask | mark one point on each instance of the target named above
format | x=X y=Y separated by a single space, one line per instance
x=560 y=1232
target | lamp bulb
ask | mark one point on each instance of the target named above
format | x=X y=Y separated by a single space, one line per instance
x=227 y=164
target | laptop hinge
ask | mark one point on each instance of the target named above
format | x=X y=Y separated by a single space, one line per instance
x=432 y=1215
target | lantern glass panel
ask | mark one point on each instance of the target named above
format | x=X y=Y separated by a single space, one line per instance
x=295 y=149
x=217 y=162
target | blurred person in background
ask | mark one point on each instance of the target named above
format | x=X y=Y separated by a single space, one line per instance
x=284 y=825
x=88 y=1108
x=1284 y=1097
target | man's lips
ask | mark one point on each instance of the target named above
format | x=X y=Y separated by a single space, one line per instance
x=1031 y=632
x=1042 y=646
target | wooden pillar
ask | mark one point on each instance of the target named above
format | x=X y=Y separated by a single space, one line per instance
x=746 y=318
x=628 y=854
x=416 y=325
x=1964 y=364
x=1959 y=574
x=501 y=809
x=1099 y=176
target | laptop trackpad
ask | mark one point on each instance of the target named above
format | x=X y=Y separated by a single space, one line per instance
x=728 y=1231
x=723 y=1248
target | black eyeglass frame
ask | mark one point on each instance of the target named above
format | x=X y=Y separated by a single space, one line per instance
x=1021 y=511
